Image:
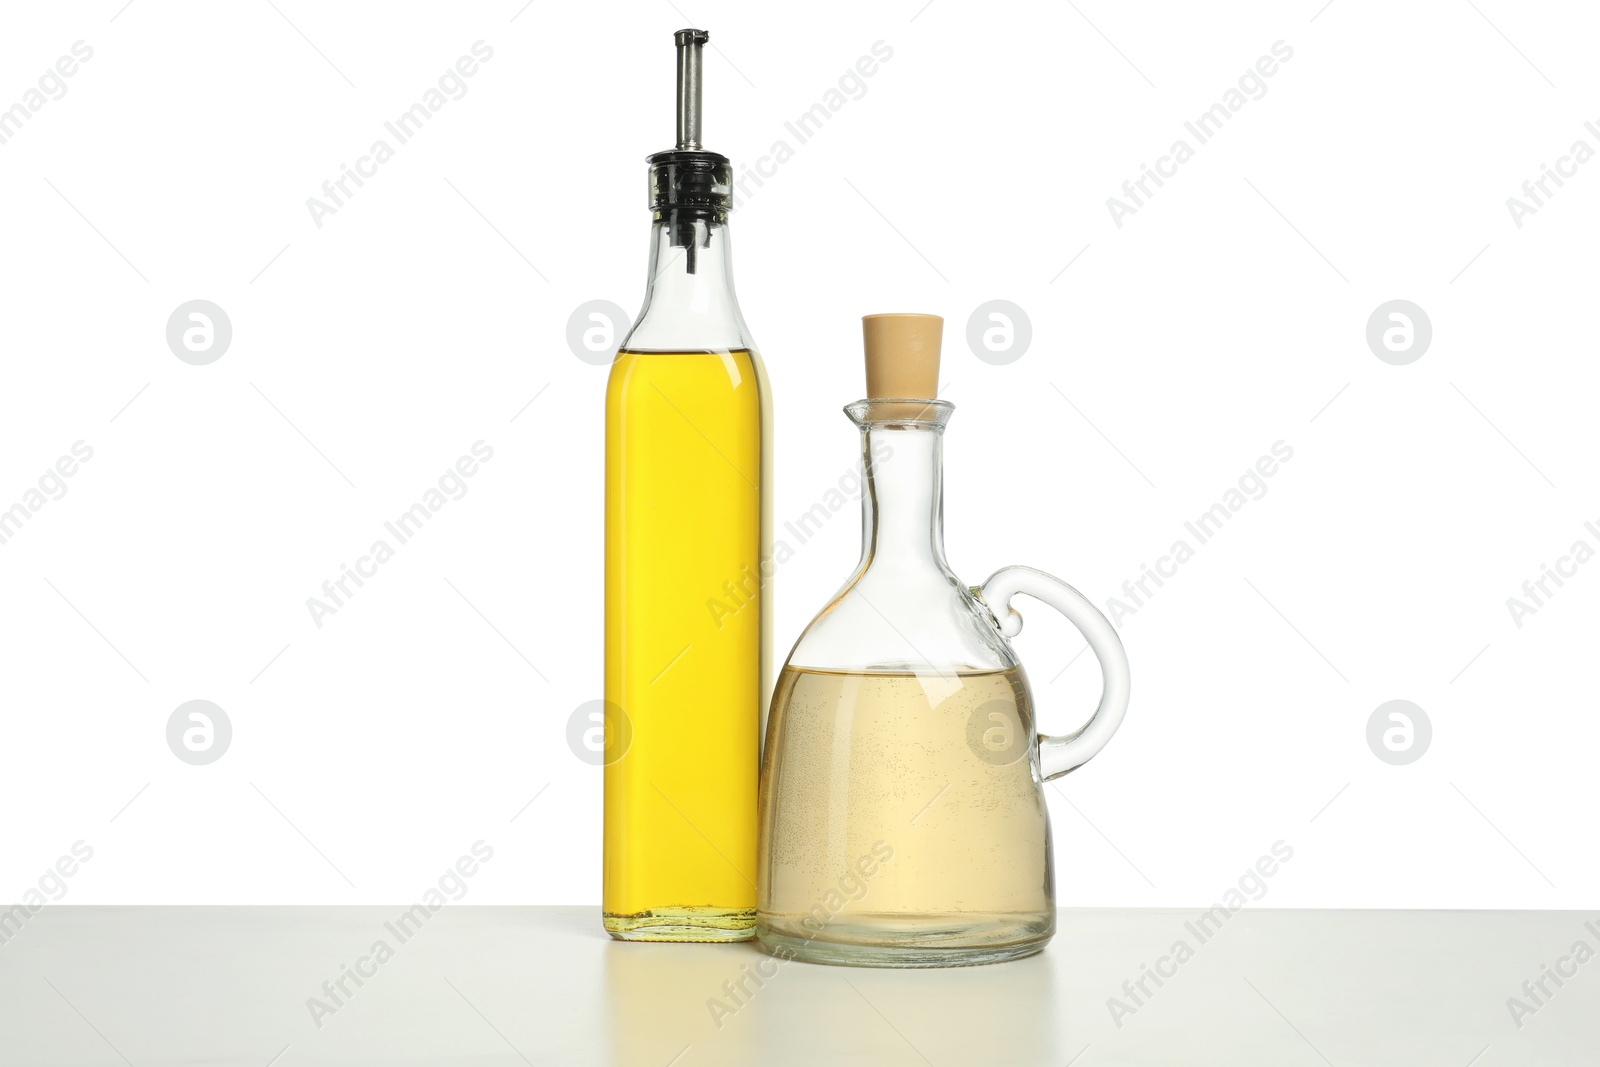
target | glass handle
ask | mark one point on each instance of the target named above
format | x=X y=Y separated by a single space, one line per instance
x=1058 y=755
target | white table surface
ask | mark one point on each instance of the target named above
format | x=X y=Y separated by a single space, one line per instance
x=506 y=986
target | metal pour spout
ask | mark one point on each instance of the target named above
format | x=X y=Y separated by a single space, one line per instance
x=690 y=45
x=690 y=188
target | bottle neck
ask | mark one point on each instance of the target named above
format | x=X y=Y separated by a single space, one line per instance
x=689 y=302
x=902 y=510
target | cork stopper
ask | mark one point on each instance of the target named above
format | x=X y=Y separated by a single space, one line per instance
x=902 y=356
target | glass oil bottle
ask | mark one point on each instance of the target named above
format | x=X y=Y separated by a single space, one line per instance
x=688 y=461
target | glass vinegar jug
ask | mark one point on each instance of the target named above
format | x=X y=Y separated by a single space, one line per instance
x=902 y=814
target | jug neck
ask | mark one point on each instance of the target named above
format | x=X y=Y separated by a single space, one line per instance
x=902 y=509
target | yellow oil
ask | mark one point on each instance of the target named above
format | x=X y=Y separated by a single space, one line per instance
x=686 y=458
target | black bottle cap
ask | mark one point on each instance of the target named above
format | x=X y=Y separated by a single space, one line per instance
x=698 y=182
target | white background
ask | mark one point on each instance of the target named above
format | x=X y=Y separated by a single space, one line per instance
x=1229 y=313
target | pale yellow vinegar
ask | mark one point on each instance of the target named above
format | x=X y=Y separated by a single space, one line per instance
x=685 y=459
x=890 y=838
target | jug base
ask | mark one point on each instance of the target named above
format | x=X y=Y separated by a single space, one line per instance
x=684 y=924
x=917 y=944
